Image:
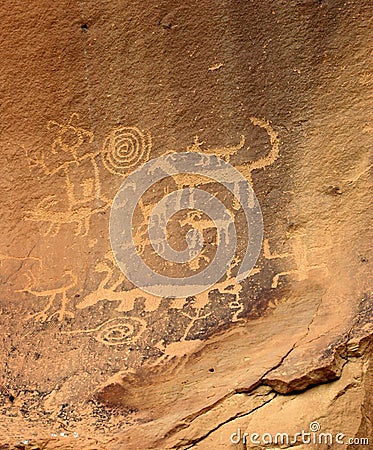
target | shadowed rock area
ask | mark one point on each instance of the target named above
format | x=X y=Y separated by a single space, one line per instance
x=92 y=90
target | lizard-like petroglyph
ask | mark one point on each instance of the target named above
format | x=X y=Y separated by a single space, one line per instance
x=109 y=289
x=123 y=150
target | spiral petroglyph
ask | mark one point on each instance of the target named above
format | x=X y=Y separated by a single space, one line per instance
x=122 y=330
x=125 y=148
x=117 y=331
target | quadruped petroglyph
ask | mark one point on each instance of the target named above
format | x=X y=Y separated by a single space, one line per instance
x=58 y=294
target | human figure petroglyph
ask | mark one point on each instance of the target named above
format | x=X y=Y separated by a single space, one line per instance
x=237 y=306
x=82 y=205
x=79 y=211
x=53 y=294
x=69 y=137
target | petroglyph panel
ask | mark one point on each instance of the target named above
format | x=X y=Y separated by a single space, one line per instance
x=82 y=169
x=150 y=148
x=73 y=161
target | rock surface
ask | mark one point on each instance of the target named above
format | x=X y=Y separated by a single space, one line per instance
x=281 y=91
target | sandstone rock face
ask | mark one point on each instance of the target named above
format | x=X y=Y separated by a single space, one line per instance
x=90 y=92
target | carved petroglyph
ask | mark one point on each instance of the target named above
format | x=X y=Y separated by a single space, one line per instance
x=117 y=143
x=269 y=255
x=84 y=197
x=109 y=289
x=116 y=331
x=267 y=160
x=124 y=149
x=301 y=254
x=226 y=153
x=5 y=257
x=221 y=152
x=14 y=264
x=69 y=281
x=69 y=138
x=183 y=346
x=43 y=212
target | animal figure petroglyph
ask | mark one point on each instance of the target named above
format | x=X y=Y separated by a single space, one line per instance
x=69 y=281
x=300 y=254
x=247 y=168
x=108 y=289
x=5 y=257
x=183 y=347
x=81 y=215
x=221 y=152
x=123 y=150
x=22 y=261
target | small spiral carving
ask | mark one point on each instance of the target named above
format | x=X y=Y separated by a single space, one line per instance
x=125 y=148
x=121 y=330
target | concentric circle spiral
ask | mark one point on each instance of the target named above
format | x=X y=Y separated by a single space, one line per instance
x=121 y=330
x=139 y=181
x=125 y=148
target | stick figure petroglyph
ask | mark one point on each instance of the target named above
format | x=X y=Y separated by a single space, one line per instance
x=82 y=205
